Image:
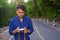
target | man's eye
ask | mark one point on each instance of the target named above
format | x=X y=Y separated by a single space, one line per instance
x=20 y=12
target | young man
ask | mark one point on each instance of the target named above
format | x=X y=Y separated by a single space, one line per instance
x=21 y=26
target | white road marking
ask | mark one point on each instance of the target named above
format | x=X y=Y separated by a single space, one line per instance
x=10 y=37
x=38 y=32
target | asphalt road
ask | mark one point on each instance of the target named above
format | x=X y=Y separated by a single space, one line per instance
x=43 y=32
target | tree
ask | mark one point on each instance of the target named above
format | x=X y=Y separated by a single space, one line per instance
x=3 y=12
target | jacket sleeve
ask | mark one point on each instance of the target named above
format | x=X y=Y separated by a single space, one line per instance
x=30 y=26
x=11 y=28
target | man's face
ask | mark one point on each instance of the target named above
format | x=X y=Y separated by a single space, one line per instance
x=20 y=12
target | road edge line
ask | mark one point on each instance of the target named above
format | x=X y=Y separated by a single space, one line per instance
x=38 y=32
x=10 y=37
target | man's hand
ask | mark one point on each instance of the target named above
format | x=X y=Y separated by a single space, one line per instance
x=16 y=30
x=26 y=31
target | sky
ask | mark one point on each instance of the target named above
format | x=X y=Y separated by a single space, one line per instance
x=25 y=0
x=9 y=1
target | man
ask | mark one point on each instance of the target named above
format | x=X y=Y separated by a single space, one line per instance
x=21 y=26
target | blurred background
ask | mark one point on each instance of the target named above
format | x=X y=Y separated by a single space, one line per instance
x=46 y=11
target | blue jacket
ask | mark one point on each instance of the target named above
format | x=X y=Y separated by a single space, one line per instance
x=15 y=22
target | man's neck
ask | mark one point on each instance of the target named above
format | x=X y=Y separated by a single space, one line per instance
x=21 y=19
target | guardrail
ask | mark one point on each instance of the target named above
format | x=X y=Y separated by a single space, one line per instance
x=5 y=36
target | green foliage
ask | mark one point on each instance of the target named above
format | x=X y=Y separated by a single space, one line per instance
x=50 y=9
x=3 y=12
x=35 y=9
x=29 y=9
x=7 y=11
x=44 y=8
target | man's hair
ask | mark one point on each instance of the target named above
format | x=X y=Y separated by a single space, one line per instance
x=21 y=7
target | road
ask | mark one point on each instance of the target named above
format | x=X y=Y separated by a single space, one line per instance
x=44 y=32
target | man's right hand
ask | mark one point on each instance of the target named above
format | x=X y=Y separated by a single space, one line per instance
x=16 y=30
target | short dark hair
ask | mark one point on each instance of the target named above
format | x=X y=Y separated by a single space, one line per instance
x=21 y=7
